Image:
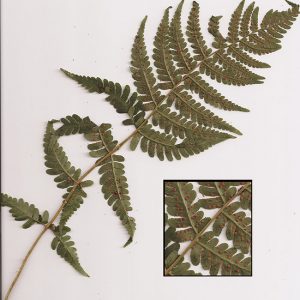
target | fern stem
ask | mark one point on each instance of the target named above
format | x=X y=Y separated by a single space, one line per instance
x=47 y=226
x=195 y=240
x=65 y=201
x=121 y=144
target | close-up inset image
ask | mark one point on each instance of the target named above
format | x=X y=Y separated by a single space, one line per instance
x=208 y=228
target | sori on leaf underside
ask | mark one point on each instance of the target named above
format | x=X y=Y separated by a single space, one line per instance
x=186 y=221
x=169 y=120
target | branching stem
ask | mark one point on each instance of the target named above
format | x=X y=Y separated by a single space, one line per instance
x=47 y=226
x=64 y=202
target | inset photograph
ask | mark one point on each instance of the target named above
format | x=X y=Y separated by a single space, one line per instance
x=208 y=229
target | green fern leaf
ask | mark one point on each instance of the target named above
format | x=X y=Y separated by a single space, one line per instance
x=246 y=200
x=57 y=162
x=120 y=98
x=187 y=222
x=234 y=25
x=75 y=199
x=195 y=37
x=112 y=175
x=246 y=20
x=180 y=126
x=74 y=124
x=215 y=257
x=189 y=108
x=178 y=45
x=228 y=72
x=171 y=250
x=214 y=30
x=254 y=20
x=142 y=72
x=155 y=143
x=196 y=84
x=246 y=59
x=238 y=224
x=64 y=247
x=23 y=211
x=179 y=72
x=162 y=56
x=265 y=38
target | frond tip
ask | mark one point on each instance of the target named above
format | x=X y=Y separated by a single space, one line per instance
x=23 y=211
x=64 y=247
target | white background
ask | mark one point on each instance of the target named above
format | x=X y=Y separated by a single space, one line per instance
x=94 y=37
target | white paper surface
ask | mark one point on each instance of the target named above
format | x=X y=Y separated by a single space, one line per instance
x=94 y=37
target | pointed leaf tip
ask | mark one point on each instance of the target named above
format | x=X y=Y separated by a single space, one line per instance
x=291 y=3
x=128 y=242
x=83 y=273
x=63 y=70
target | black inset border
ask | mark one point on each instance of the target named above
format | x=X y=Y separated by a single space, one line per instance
x=164 y=211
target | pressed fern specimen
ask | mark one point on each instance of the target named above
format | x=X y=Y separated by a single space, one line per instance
x=168 y=122
x=186 y=221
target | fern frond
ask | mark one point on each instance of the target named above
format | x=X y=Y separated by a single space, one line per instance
x=180 y=204
x=178 y=45
x=187 y=223
x=57 y=162
x=214 y=30
x=162 y=56
x=196 y=84
x=179 y=72
x=228 y=71
x=238 y=224
x=245 y=199
x=64 y=247
x=237 y=68
x=234 y=24
x=112 y=175
x=180 y=126
x=171 y=250
x=215 y=257
x=265 y=38
x=254 y=20
x=75 y=199
x=164 y=145
x=201 y=141
x=23 y=211
x=74 y=124
x=195 y=37
x=120 y=98
x=246 y=59
x=142 y=73
x=155 y=143
x=191 y=109
x=246 y=20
